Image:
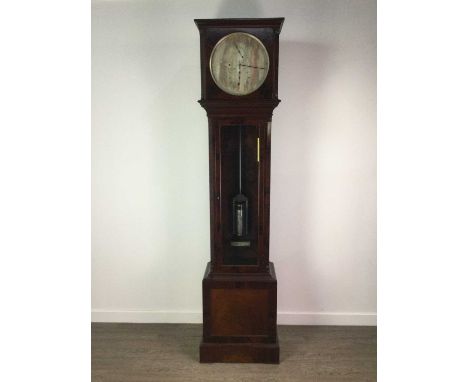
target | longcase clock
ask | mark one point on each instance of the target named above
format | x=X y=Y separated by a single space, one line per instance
x=239 y=91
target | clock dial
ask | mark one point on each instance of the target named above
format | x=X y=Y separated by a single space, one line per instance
x=239 y=63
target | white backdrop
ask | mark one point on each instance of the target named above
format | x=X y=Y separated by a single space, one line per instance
x=150 y=207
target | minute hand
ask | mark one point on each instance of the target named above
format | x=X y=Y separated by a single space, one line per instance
x=250 y=66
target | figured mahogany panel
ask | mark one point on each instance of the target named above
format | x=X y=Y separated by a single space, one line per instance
x=239 y=312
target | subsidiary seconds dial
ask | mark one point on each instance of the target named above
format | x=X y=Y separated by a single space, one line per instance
x=239 y=63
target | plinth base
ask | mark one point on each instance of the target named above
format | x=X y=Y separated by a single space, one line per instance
x=239 y=352
x=239 y=317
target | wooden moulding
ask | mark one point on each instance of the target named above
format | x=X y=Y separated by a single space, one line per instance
x=239 y=353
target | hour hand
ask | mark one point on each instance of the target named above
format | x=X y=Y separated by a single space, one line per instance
x=238 y=50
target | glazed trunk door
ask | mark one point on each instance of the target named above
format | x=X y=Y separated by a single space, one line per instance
x=239 y=185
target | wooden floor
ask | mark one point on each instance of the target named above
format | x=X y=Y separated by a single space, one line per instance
x=169 y=352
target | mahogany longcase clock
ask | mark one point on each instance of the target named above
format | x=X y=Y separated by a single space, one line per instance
x=239 y=90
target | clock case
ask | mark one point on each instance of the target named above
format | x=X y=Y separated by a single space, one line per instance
x=239 y=285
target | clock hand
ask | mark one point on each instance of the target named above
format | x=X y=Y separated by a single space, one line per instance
x=256 y=67
x=239 y=50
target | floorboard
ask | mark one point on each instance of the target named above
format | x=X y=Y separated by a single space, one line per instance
x=169 y=353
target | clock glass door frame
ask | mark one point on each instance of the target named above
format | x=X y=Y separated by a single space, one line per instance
x=221 y=197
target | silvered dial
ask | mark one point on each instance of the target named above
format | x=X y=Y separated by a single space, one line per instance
x=239 y=63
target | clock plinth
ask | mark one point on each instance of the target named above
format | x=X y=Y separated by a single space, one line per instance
x=239 y=315
x=239 y=76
